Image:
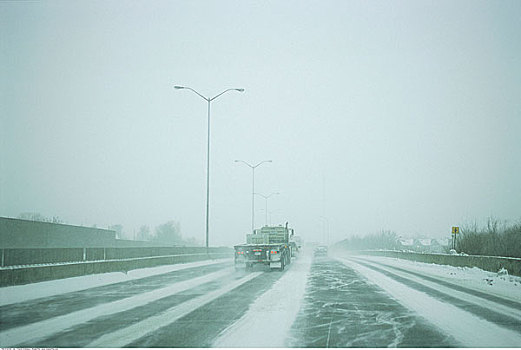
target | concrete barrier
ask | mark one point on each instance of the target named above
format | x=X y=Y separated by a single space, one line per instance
x=487 y=263
x=24 y=275
x=33 y=256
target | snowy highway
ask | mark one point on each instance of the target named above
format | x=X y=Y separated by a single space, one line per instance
x=319 y=301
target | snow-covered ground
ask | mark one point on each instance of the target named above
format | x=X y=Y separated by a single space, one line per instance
x=269 y=319
x=17 y=294
x=499 y=284
x=323 y=296
x=466 y=327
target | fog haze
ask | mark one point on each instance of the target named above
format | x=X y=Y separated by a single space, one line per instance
x=401 y=116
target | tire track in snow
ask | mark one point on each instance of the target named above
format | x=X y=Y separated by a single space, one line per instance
x=495 y=304
x=26 y=292
x=41 y=309
x=138 y=330
x=467 y=328
x=269 y=319
x=43 y=329
x=362 y=314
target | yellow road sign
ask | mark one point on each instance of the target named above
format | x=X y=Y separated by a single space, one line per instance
x=455 y=229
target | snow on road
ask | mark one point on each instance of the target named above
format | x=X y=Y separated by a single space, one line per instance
x=35 y=331
x=499 y=284
x=138 y=330
x=18 y=294
x=269 y=318
x=465 y=327
x=452 y=289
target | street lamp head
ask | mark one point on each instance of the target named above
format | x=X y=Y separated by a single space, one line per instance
x=179 y=87
x=240 y=90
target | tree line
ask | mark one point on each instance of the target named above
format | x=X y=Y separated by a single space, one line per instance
x=495 y=239
x=382 y=240
x=169 y=233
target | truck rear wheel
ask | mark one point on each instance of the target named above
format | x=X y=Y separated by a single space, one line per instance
x=282 y=263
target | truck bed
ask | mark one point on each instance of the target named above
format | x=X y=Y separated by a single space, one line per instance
x=249 y=254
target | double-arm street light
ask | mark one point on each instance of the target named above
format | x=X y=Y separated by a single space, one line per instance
x=253 y=188
x=209 y=100
x=266 y=208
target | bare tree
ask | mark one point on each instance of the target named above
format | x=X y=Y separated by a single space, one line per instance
x=39 y=217
x=144 y=233
x=169 y=233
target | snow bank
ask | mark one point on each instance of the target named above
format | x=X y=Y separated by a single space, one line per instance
x=468 y=329
x=499 y=284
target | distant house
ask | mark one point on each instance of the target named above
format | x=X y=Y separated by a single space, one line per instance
x=407 y=243
x=417 y=246
x=425 y=242
x=444 y=242
x=429 y=245
x=424 y=245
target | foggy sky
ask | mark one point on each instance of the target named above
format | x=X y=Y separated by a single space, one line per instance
x=401 y=116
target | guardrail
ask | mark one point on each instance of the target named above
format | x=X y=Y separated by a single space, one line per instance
x=30 y=256
x=487 y=263
x=16 y=275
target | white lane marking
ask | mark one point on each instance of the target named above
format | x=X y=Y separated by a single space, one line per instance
x=500 y=308
x=269 y=319
x=468 y=329
x=40 y=330
x=18 y=294
x=138 y=330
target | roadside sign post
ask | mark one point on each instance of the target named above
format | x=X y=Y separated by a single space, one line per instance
x=455 y=231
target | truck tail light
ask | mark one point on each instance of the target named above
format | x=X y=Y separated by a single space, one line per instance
x=274 y=252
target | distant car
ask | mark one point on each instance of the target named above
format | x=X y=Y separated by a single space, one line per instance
x=321 y=250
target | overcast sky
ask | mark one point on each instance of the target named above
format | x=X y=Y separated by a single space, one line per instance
x=394 y=115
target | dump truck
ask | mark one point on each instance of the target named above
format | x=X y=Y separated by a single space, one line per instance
x=269 y=245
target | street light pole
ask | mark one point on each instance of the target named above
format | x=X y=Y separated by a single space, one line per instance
x=253 y=188
x=208 y=100
x=326 y=228
x=266 y=208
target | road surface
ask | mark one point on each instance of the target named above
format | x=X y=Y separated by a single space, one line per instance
x=319 y=301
